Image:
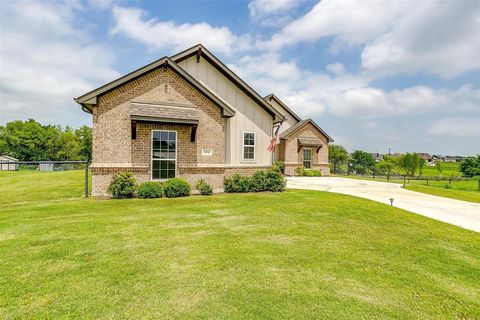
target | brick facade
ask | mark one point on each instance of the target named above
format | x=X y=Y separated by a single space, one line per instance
x=115 y=151
x=292 y=157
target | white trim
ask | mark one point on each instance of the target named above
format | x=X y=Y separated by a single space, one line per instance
x=151 y=153
x=311 y=158
x=254 y=146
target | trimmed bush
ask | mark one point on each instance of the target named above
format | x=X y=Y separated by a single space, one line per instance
x=275 y=181
x=300 y=171
x=259 y=181
x=270 y=180
x=149 y=190
x=308 y=173
x=278 y=166
x=237 y=183
x=123 y=186
x=176 y=187
x=204 y=188
x=317 y=173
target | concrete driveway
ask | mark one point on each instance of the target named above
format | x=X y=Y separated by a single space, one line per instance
x=460 y=213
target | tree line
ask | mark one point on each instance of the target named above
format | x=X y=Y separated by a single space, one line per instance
x=361 y=162
x=32 y=141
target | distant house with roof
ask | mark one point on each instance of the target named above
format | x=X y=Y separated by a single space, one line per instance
x=8 y=163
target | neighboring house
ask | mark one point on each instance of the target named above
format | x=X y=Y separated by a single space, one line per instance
x=377 y=156
x=8 y=163
x=429 y=161
x=190 y=116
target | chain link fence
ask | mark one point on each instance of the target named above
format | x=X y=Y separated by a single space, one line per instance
x=26 y=181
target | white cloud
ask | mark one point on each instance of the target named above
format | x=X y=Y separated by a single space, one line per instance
x=456 y=126
x=45 y=61
x=273 y=13
x=336 y=68
x=268 y=7
x=160 y=35
x=437 y=37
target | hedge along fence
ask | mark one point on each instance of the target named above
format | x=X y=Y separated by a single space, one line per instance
x=270 y=180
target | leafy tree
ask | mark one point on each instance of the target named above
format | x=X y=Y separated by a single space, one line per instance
x=421 y=165
x=438 y=165
x=31 y=141
x=470 y=166
x=362 y=162
x=386 y=165
x=337 y=156
x=84 y=136
x=409 y=162
x=68 y=146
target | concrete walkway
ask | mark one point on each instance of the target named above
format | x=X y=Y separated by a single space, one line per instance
x=460 y=213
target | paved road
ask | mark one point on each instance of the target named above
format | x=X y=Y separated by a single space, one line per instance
x=460 y=213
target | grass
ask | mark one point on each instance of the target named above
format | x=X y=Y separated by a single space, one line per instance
x=292 y=255
x=458 y=194
x=449 y=169
x=29 y=185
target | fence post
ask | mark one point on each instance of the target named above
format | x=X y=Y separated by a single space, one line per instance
x=478 y=189
x=427 y=181
x=404 y=179
x=86 y=178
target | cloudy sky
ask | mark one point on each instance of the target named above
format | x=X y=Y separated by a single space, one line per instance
x=373 y=74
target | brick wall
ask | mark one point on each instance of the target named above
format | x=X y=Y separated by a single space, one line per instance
x=113 y=148
x=294 y=158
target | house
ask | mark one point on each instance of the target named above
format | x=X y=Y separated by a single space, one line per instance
x=429 y=161
x=8 y=163
x=190 y=116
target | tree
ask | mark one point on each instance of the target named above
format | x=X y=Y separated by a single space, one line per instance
x=410 y=162
x=337 y=155
x=386 y=165
x=421 y=165
x=31 y=141
x=470 y=166
x=362 y=162
x=438 y=165
x=84 y=137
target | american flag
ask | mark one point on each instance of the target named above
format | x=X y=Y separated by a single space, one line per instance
x=276 y=138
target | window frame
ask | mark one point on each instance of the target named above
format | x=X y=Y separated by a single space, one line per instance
x=311 y=158
x=248 y=145
x=160 y=160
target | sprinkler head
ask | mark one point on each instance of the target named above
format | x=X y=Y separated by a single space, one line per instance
x=391 y=201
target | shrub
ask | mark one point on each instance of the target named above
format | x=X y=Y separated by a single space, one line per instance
x=278 y=166
x=300 y=171
x=176 y=187
x=237 y=183
x=308 y=173
x=317 y=173
x=259 y=181
x=204 y=188
x=275 y=181
x=149 y=190
x=123 y=185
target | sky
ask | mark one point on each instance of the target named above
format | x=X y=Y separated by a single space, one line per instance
x=375 y=75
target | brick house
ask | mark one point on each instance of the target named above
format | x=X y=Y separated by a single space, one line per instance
x=190 y=116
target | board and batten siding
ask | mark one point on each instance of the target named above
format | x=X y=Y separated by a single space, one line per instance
x=289 y=121
x=249 y=116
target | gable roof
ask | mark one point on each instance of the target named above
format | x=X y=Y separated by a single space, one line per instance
x=89 y=99
x=285 y=134
x=200 y=51
x=284 y=106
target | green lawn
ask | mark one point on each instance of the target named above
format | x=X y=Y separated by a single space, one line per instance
x=29 y=185
x=449 y=169
x=292 y=255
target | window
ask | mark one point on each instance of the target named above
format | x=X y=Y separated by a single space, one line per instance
x=164 y=154
x=249 y=146
x=307 y=158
